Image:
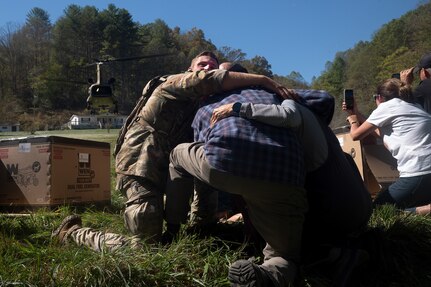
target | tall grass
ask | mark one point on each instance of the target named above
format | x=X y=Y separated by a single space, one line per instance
x=399 y=246
x=28 y=256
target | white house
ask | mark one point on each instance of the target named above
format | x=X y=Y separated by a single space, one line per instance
x=96 y=121
x=8 y=127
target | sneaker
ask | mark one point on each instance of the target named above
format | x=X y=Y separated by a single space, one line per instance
x=244 y=273
x=70 y=223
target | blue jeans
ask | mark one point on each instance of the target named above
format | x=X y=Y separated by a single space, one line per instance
x=407 y=192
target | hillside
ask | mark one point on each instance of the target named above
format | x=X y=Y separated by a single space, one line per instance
x=42 y=83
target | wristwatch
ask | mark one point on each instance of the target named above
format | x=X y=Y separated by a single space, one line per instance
x=236 y=108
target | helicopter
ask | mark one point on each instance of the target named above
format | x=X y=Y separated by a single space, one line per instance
x=100 y=98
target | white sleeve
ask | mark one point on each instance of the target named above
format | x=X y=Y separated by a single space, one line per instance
x=382 y=115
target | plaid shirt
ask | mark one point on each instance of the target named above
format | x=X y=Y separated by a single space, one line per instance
x=248 y=148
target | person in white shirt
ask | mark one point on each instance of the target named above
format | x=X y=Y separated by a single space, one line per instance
x=405 y=129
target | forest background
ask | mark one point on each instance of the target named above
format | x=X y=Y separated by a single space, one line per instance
x=44 y=66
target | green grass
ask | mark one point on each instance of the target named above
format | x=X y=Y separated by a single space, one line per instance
x=399 y=246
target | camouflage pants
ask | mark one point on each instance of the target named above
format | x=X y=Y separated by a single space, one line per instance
x=102 y=241
x=143 y=215
x=142 y=169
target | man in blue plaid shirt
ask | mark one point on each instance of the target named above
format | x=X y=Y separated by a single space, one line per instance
x=264 y=164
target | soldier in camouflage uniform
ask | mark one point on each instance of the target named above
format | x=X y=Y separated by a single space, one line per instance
x=143 y=159
x=164 y=121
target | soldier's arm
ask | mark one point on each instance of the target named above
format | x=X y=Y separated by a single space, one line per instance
x=194 y=84
x=201 y=83
x=235 y=80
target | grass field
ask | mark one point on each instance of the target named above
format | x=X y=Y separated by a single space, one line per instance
x=399 y=247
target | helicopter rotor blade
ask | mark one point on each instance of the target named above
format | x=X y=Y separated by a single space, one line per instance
x=92 y=64
x=65 y=81
x=101 y=61
x=142 y=57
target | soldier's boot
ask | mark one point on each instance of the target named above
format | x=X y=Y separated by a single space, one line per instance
x=67 y=226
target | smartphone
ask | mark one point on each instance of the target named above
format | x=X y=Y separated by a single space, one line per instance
x=396 y=75
x=348 y=98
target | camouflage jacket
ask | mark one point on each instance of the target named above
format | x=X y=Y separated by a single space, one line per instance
x=164 y=122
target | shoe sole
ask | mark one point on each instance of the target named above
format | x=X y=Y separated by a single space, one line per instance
x=69 y=220
x=242 y=274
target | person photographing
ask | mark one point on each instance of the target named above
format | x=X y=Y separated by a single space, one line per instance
x=404 y=128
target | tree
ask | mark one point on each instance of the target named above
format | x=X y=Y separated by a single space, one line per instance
x=119 y=33
x=160 y=39
x=332 y=80
x=120 y=40
x=13 y=59
x=77 y=41
x=37 y=31
x=229 y=54
x=293 y=81
x=193 y=42
x=258 y=65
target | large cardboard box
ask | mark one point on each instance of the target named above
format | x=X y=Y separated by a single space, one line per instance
x=49 y=171
x=377 y=166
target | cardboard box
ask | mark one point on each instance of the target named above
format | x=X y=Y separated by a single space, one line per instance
x=377 y=166
x=49 y=171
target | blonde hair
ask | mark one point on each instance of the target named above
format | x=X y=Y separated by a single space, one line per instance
x=394 y=88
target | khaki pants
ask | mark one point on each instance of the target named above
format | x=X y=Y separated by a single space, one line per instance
x=276 y=209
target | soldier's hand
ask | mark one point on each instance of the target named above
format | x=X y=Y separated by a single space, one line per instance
x=221 y=113
x=293 y=95
x=280 y=90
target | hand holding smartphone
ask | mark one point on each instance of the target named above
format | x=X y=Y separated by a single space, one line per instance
x=348 y=98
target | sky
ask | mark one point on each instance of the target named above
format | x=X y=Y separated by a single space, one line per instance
x=293 y=35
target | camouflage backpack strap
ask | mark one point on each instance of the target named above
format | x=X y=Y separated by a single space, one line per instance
x=146 y=93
